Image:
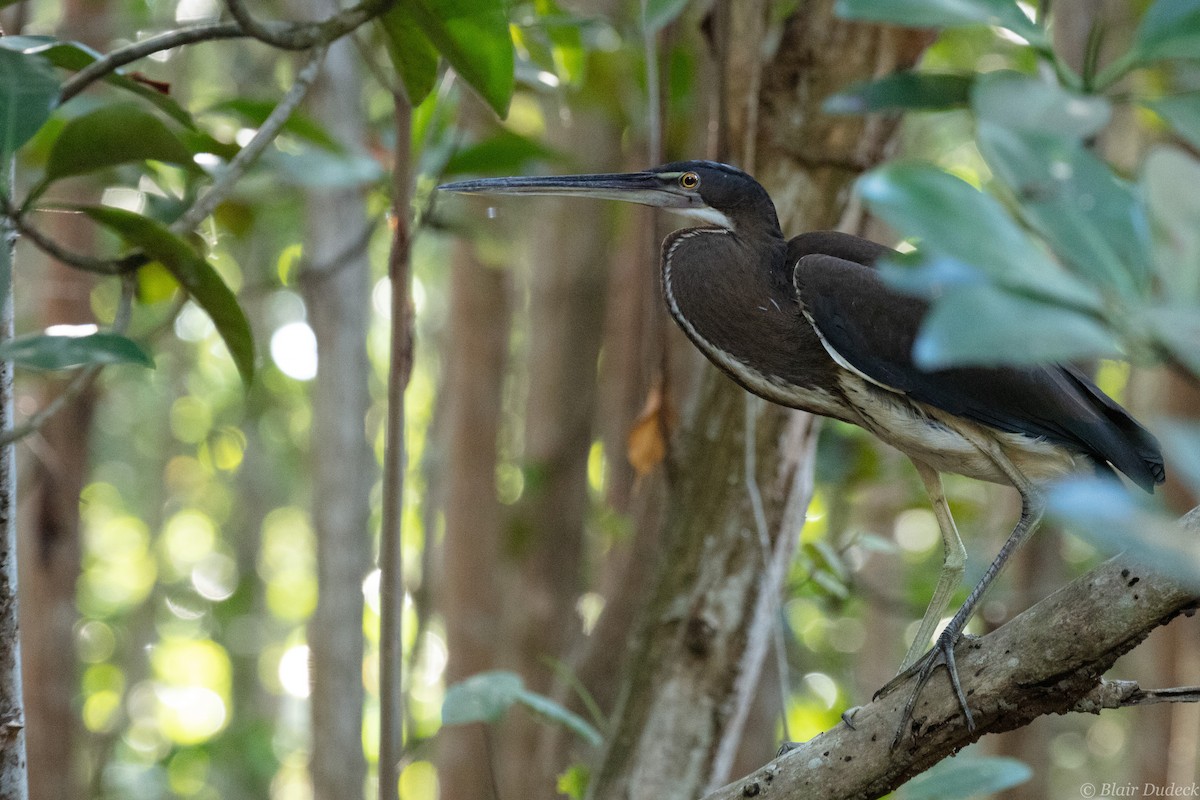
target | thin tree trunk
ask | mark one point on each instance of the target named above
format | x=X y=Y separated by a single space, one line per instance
x=48 y=545
x=546 y=536
x=337 y=291
x=466 y=590
x=706 y=631
x=13 y=779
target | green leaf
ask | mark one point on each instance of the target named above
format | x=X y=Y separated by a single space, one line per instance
x=1022 y=103
x=28 y=93
x=945 y=14
x=316 y=168
x=927 y=274
x=255 y=112
x=501 y=154
x=1169 y=29
x=48 y=351
x=75 y=56
x=1182 y=113
x=566 y=41
x=413 y=56
x=965 y=776
x=473 y=36
x=112 y=135
x=910 y=91
x=1181 y=446
x=486 y=697
x=956 y=220
x=552 y=711
x=481 y=698
x=661 y=13
x=1091 y=218
x=1102 y=511
x=195 y=274
x=1177 y=330
x=985 y=325
x=1168 y=183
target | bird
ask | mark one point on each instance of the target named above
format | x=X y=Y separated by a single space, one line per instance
x=809 y=323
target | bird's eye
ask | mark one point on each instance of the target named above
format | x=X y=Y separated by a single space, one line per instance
x=689 y=180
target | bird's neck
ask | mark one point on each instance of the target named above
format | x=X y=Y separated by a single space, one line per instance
x=716 y=280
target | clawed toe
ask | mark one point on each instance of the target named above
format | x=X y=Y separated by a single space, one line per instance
x=941 y=655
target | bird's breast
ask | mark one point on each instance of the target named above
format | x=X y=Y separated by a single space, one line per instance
x=721 y=295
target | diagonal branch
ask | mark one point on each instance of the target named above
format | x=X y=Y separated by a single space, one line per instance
x=138 y=50
x=1048 y=660
x=227 y=178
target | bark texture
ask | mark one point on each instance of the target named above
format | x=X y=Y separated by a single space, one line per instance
x=13 y=781
x=49 y=546
x=337 y=292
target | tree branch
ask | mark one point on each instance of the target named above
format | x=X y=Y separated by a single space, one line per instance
x=284 y=35
x=227 y=178
x=303 y=35
x=98 y=266
x=1026 y=669
x=132 y=52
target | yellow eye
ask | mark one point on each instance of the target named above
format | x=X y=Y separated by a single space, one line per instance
x=689 y=180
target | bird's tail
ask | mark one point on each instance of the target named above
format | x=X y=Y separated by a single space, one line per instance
x=1128 y=446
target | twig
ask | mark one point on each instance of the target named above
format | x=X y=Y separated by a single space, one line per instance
x=1122 y=694
x=391 y=554
x=302 y=36
x=313 y=273
x=148 y=46
x=764 y=539
x=226 y=179
x=287 y=36
x=99 y=266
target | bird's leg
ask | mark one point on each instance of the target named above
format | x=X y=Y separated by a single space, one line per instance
x=942 y=653
x=954 y=560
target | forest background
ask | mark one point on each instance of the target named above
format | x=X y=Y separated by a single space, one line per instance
x=200 y=602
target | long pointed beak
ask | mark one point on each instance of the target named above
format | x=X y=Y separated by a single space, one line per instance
x=647 y=188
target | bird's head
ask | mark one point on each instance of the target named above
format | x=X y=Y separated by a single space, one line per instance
x=714 y=193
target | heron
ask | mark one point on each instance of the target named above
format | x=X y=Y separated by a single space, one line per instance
x=809 y=323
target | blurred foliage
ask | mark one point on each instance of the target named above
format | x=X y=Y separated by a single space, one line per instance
x=198 y=565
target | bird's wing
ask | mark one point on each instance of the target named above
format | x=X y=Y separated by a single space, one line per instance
x=870 y=328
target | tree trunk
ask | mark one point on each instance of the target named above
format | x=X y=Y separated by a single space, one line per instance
x=545 y=545
x=706 y=630
x=466 y=590
x=337 y=291
x=49 y=547
x=13 y=779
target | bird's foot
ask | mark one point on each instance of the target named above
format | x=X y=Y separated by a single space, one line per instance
x=941 y=655
x=787 y=747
